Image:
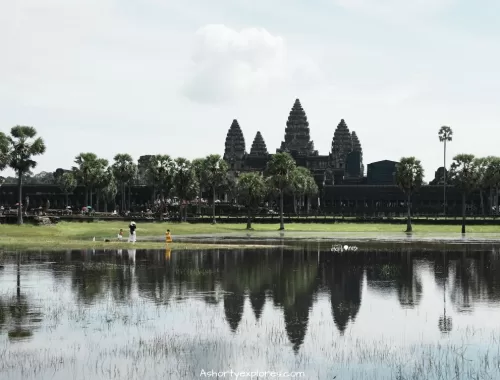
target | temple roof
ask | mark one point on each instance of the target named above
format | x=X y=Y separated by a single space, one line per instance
x=258 y=146
x=342 y=140
x=235 y=142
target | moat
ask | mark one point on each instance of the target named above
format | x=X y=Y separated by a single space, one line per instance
x=376 y=313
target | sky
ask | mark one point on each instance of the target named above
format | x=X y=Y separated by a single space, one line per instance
x=168 y=77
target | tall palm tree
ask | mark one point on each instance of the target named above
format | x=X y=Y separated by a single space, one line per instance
x=280 y=170
x=24 y=146
x=88 y=172
x=464 y=175
x=492 y=180
x=160 y=175
x=109 y=191
x=409 y=177
x=124 y=171
x=199 y=172
x=299 y=184
x=215 y=169
x=445 y=134
x=482 y=164
x=186 y=185
x=311 y=190
x=252 y=190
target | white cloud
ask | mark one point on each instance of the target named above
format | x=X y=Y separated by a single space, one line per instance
x=228 y=64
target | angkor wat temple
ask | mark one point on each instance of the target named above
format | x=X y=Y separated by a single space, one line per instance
x=340 y=175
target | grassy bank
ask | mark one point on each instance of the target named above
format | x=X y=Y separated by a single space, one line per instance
x=68 y=231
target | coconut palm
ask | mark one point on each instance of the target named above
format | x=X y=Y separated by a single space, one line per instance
x=186 y=186
x=280 y=170
x=252 y=190
x=67 y=183
x=215 y=169
x=465 y=176
x=24 y=146
x=409 y=177
x=445 y=134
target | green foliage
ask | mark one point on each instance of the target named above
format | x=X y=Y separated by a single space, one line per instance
x=280 y=171
x=4 y=151
x=67 y=182
x=445 y=134
x=160 y=173
x=409 y=174
x=186 y=185
x=124 y=168
x=215 y=170
x=491 y=176
x=464 y=173
x=24 y=146
x=252 y=189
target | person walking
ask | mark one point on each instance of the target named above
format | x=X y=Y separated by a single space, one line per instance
x=132 y=236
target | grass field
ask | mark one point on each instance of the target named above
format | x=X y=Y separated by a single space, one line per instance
x=73 y=231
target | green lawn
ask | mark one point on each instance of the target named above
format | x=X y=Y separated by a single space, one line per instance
x=80 y=235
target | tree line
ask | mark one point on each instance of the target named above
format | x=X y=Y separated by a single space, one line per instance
x=166 y=176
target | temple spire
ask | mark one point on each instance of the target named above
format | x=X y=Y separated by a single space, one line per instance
x=258 y=146
x=342 y=144
x=235 y=142
x=297 y=136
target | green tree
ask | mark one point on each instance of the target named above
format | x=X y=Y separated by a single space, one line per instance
x=409 y=177
x=445 y=135
x=280 y=170
x=482 y=164
x=252 y=190
x=124 y=171
x=24 y=146
x=186 y=186
x=215 y=169
x=160 y=176
x=311 y=190
x=109 y=191
x=492 y=180
x=4 y=151
x=89 y=168
x=102 y=179
x=67 y=183
x=464 y=175
x=198 y=165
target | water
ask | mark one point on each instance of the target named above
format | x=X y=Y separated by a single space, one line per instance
x=377 y=313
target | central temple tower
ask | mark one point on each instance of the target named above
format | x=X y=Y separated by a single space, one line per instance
x=297 y=138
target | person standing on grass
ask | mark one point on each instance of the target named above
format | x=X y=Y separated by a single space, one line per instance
x=132 y=236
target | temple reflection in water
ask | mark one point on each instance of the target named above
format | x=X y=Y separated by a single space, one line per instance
x=287 y=281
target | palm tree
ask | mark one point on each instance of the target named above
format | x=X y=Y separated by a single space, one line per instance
x=445 y=134
x=67 y=183
x=199 y=172
x=409 y=177
x=492 y=180
x=298 y=187
x=24 y=145
x=4 y=151
x=186 y=185
x=252 y=190
x=124 y=171
x=464 y=175
x=160 y=176
x=280 y=170
x=482 y=164
x=311 y=190
x=103 y=178
x=215 y=169
x=109 y=191
x=83 y=172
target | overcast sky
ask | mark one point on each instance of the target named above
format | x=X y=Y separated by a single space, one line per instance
x=161 y=76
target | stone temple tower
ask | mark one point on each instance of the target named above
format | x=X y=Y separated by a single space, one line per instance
x=297 y=138
x=346 y=157
x=234 y=152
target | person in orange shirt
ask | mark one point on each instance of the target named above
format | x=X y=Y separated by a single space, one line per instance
x=168 y=237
